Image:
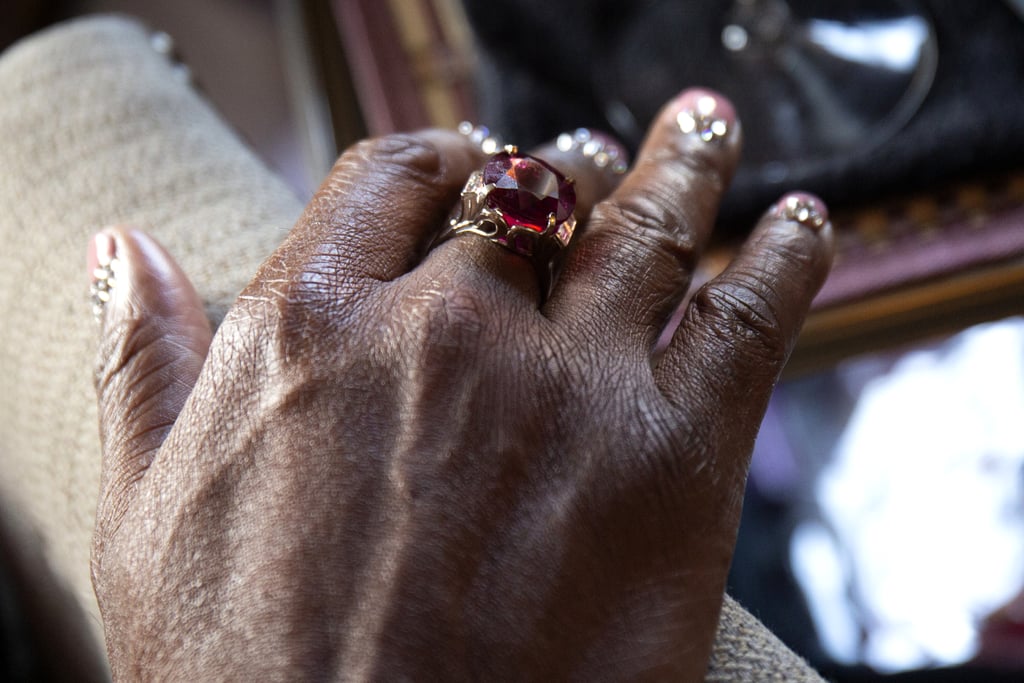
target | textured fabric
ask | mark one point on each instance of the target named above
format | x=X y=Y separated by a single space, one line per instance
x=618 y=60
x=96 y=129
x=747 y=652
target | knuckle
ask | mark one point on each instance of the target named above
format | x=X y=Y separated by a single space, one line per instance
x=703 y=167
x=445 y=316
x=647 y=223
x=299 y=323
x=368 y=170
x=744 y=317
x=318 y=288
x=139 y=363
x=794 y=252
x=302 y=301
x=647 y=212
x=129 y=340
x=396 y=154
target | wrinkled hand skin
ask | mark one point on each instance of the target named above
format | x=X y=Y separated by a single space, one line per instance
x=395 y=464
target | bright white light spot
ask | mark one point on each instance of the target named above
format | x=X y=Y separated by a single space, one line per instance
x=735 y=37
x=706 y=105
x=894 y=45
x=818 y=567
x=925 y=494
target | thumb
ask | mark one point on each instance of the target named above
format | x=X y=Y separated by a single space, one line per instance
x=153 y=341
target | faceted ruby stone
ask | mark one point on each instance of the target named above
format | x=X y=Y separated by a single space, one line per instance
x=527 y=190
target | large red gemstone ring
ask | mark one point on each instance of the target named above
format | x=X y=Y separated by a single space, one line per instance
x=521 y=203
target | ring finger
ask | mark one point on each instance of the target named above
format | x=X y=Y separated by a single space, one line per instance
x=593 y=161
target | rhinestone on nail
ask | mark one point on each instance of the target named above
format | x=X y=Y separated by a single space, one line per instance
x=701 y=121
x=605 y=155
x=803 y=211
x=101 y=290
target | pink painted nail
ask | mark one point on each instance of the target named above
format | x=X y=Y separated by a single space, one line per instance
x=804 y=208
x=704 y=113
x=101 y=258
x=601 y=148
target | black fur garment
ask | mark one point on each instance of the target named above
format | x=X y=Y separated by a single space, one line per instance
x=552 y=65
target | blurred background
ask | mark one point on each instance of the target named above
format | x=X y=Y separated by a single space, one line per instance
x=883 y=535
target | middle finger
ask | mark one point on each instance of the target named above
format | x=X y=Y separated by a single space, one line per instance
x=631 y=267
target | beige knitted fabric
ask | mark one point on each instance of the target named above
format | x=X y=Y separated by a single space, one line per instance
x=96 y=128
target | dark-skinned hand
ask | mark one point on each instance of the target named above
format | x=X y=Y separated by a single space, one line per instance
x=400 y=463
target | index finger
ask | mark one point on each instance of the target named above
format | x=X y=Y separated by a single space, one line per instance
x=379 y=207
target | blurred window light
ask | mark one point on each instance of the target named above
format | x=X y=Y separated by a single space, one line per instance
x=922 y=504
x=895 y=45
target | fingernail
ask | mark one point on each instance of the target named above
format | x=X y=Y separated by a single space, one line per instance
x=103 y=265
x=601 y=148
x=803 y=208
x=705 y=114
x=488 y=140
